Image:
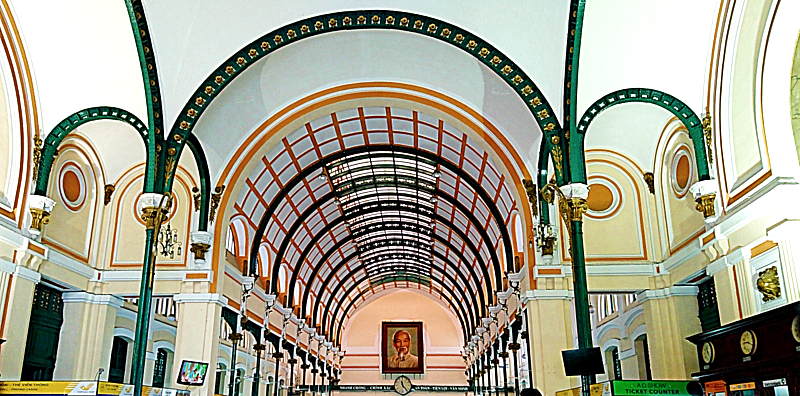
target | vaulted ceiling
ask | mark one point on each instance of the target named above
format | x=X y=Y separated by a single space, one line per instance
x=364 y=159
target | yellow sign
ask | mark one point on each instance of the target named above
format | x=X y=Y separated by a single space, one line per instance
x=744 y=386
x=569 y=392
x=73 y=388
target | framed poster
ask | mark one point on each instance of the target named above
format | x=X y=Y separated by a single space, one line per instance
x=402 y=348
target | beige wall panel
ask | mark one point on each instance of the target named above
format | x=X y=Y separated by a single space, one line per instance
x=124 y=323
x=15 y=326
x=616 y=233
x=673 y=178
x=669 y=321
x=72 y=220
x=129 y=231
x=163 y=336
x=85 y=340
x=443 y=341
x=550 y=322
x=795 y=95
x=597 y=283
x=630 y=368
x=198 y=340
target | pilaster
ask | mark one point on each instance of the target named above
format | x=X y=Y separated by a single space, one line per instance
x=197 y=338
x=550 y=332
x=731 y=278
x=785 y=235
x=86 y=335
x=671 y=316
x=19 y=283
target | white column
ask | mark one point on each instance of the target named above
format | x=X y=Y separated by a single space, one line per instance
x=671 y=316
x=20 y=283
x=84 y=345
x=550 y=331
x=785 y=235
x=197 y=340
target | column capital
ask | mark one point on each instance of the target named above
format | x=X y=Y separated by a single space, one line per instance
x=704 y=193
x=40 y=207
x=89 y=298
x=27 y=274
x=201 y=242
x=667 y=292
x=214 y=298
x=532 y=295
x=147 y=206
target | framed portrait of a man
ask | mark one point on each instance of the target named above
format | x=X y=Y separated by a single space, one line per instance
x=402 y=348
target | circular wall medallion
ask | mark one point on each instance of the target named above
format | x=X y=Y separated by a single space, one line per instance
x=605 y=197
x=796 y=328
x=682 y=171
x=72 y=186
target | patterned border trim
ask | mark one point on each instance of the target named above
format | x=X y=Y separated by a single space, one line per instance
x=67 y=125
x=661 y=99
x=354 y=20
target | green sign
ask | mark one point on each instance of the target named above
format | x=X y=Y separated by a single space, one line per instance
x=656 y=388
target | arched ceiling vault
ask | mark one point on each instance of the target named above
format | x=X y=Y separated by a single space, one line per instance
x=362 y=197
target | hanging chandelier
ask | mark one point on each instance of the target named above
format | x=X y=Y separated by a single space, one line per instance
x=169 y=244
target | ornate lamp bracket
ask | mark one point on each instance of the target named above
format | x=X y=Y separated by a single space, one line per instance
x=201 y=242
x=704 y=193
x=40 y=207
x=571 y=200
x=153 y=208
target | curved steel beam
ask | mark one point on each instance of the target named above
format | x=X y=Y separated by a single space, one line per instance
x=335 y=270
x=465 y=326
x=279 y=257
x=334 y=312
x=341 y=219
x=314 y=167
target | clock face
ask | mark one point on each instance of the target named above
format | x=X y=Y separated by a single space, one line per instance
x=708 y=352
x=402 y=385
x=796 y=328
x=748 y=342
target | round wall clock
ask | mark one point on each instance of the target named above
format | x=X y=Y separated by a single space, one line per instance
x=796 y=328
x=748 y=342
x=402 y=385
x=707 y=352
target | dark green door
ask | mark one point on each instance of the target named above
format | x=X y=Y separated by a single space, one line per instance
x=47 y=315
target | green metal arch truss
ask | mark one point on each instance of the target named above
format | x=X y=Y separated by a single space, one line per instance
x=661 y=99
x=147 y=63
x=69 y=124
x=205 y=180
x=359 y=20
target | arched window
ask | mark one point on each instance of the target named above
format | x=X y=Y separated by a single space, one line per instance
x=613 y=366
x=230 y=242
x=119 y=357
x=642 y=357
x=219 y=380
